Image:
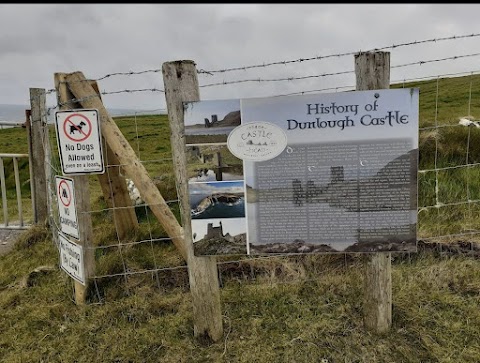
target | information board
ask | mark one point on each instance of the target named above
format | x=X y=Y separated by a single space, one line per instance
x=345 y=180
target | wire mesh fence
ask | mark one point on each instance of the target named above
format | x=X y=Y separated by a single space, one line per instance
x=449 y=168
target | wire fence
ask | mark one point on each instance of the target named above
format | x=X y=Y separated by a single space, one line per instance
x=448 y=187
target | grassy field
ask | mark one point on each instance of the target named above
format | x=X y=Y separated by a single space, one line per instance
x=296 y=309
x=291 y=309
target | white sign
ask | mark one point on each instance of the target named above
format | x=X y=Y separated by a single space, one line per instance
x=79 y=142
x=257 y=141
x=321 y=173
x=66 y=206
x=71 y=258
x=347 y=180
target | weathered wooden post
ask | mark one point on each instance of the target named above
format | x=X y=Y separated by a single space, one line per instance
x=372 y=70
x=36 y=150
x=132 y=167
x=181 y=85
x=82 y=196
x=115 y=191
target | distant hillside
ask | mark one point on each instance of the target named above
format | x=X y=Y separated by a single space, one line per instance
x=12 y=113
x=16 y=113
x=231 y=119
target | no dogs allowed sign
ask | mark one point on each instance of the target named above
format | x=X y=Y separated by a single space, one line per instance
x=79 y=141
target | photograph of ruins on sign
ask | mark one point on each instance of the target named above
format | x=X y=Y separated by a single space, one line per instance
x=212 y=163
x=208 y=122
x=222 y=236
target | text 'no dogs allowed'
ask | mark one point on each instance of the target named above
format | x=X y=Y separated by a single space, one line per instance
x=79 y=142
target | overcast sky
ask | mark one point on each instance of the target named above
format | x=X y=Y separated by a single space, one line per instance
x=98 y=39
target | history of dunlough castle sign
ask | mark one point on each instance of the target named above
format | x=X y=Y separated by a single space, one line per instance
x=345 y=179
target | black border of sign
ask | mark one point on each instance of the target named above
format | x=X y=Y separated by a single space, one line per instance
x=99 y=130
x=73 y=199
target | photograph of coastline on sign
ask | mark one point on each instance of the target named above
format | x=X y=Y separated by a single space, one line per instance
x=214 y=206
x=217 y=199
x=210 y=121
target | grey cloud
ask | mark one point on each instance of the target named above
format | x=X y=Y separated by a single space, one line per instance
x=38 y=40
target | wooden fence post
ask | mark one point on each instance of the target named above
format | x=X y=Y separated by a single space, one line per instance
x=115 y=191
x=36 y=152
x=133 y=168
x=372 y=70
x=181 y=84
x=82 y=201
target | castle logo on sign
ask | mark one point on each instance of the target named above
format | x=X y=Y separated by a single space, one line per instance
x=257 y=141
x=79 y=142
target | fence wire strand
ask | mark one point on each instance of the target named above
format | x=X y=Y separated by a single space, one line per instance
x=337 y=55
x=329 y=74
x=152 y=238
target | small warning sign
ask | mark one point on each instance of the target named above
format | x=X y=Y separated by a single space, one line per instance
x=71 y=258
x=67 y=210
x=79 y=142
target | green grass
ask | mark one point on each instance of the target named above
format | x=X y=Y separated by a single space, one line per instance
x=452 y=101
x=445 y=147
x=296 y=309
x=14 y=141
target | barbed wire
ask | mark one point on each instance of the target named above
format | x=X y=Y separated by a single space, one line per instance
x=436 y=60
x=252 y=258
x=133 y=91
x=260 y=80
x=351 y=87
x=300 y=60
x=285 y=62
x=393 y=82
x=434 y=77
x=86 y=98
x=282 y=79
x=129 y=73
x=108 y=75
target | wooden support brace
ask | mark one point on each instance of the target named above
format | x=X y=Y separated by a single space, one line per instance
x=115 y=191
x=133 y=168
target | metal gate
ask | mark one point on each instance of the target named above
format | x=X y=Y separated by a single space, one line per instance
x=12 y=199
